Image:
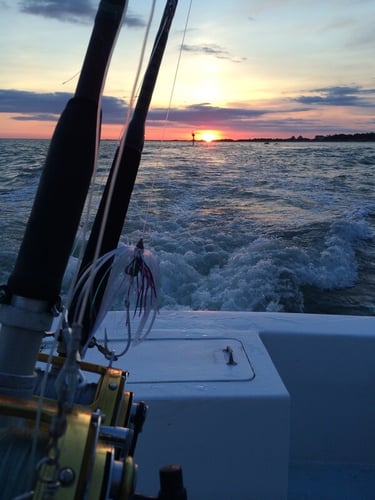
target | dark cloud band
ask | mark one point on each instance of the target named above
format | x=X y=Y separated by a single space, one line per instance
x=75 y=11
x=290 y=114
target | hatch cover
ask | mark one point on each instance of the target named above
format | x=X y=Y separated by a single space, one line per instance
x=187 y=360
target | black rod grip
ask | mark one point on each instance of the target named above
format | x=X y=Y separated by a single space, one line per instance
x=66 y=176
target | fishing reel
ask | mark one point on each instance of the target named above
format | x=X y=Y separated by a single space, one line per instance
x=87 y=452
x=97 y=447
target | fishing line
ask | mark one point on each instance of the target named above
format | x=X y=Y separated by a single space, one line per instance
x=71 y=78
x=179 y=59
x=116 y=168
x=38 y=416
x=166 y=119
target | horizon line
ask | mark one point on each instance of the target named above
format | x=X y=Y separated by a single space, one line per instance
x=370 y=136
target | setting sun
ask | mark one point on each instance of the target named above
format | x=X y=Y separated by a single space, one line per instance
x=208 y=135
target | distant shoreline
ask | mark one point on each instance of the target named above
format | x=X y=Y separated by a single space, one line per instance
x=359 y=137
x=365 y=137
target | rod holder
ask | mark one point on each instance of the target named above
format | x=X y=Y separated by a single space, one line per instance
x=24 y=322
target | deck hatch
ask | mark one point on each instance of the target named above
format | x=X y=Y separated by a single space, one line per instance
x=187 y=360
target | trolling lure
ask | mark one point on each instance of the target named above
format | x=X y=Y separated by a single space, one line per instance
x=141 y=280
x=135 y=274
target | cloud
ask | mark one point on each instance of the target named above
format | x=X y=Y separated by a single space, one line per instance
x=338 y=96
x=27 y=106
x=134 y=21
x=68 y=10
x=207 y=114
x=272 y=117
x=76 y=11
x=25 y=102
x=44 y=106
x=211 y=50
x=288 y=119
x=48 y=106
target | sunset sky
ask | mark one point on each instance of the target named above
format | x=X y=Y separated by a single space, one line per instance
x=248 y=68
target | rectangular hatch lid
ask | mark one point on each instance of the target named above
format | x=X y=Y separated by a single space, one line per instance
x=186 y=360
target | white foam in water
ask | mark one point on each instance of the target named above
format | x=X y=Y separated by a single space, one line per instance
x=242 y=226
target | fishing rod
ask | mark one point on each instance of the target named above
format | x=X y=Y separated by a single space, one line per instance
x=68 y=169
x=119 y=186
x=82 y=445
x=34 y=285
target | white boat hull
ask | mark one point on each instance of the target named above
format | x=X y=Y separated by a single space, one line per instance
x=301 y=392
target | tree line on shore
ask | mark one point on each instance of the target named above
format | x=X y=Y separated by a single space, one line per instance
x=360 y=137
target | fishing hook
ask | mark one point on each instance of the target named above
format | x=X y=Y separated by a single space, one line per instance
x=110 y=354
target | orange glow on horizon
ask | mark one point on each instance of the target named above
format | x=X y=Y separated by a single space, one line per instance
x=12 y=127
x=33 y=129
x=208 y=135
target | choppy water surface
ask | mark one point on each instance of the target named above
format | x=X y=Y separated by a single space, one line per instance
x=237 y=226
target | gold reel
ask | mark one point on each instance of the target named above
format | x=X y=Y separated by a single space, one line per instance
x=92 y=458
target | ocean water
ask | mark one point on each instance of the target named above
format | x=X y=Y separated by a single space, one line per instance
x=236 y=226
